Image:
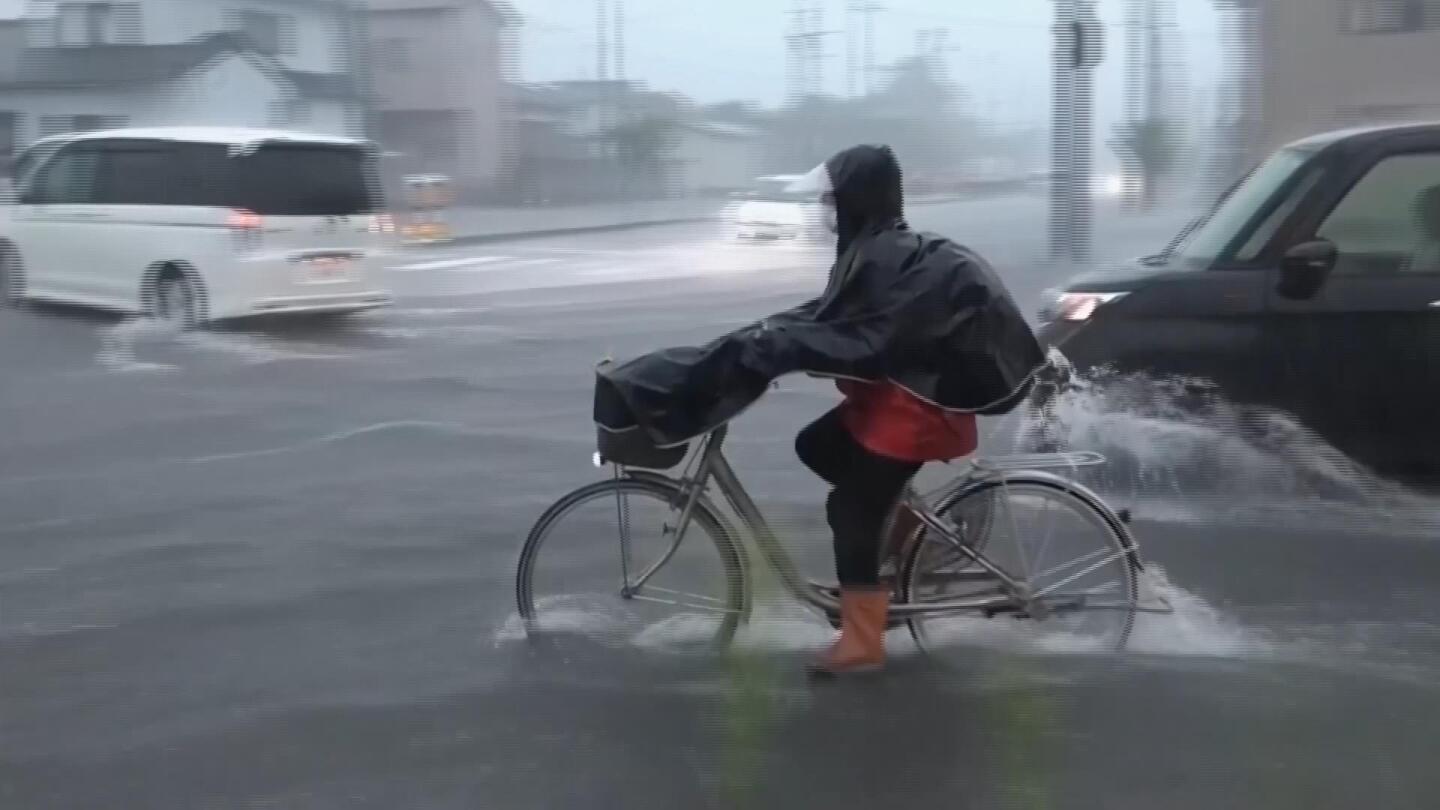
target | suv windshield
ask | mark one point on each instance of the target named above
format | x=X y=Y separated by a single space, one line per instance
x=1217 y=230
x=305 y=180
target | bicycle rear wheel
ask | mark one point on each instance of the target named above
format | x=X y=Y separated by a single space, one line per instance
x=605 y=562
x=1073 y=555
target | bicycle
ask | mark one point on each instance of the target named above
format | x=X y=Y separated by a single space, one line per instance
x=955 y=544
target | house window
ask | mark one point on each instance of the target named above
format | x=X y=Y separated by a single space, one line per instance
x=85 y=24
x=1388 y=16
x=273 y=34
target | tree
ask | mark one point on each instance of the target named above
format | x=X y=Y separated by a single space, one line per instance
x=642 y=149
x=1150 y=147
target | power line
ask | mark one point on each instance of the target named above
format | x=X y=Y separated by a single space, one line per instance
x=804 y=63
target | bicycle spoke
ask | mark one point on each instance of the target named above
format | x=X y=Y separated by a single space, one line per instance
x=1040 y=558
x=1081 y=602
x=1066 y=581
x=717 y=607
x=673 y=563
x=1077 y=561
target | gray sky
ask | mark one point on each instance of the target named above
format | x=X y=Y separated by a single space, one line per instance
x=735 y=50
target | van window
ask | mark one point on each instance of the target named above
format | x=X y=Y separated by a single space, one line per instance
x=305 y=180
x=69 y=179
x=135 y=174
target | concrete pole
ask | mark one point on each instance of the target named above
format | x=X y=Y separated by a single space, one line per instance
x=1076 y=52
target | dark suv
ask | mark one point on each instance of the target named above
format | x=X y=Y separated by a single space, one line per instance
x=1312 y=286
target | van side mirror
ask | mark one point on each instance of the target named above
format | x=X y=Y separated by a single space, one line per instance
x=1305 y=269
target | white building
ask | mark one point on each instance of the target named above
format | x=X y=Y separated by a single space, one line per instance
x=86 y=64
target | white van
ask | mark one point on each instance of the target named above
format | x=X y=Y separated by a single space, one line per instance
x=196 y=224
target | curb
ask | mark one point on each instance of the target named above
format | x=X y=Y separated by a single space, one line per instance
x=481 y=238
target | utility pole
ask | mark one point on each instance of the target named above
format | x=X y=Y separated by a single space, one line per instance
x=1078 y=49
x=602 y=42
x=860 y=47
x=619 y=43
x=804 y=50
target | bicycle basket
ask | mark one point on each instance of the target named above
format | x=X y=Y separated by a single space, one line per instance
x=632 y=448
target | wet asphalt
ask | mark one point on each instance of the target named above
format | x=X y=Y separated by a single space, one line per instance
x=272 y=566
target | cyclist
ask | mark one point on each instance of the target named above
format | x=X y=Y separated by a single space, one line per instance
x=952 y=335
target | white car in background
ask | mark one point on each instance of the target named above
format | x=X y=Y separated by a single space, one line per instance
x=195 y=224
x=770 y=211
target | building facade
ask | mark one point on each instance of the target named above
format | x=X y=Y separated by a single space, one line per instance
x=438 y=69
x=83 y=65
x=1315 y=65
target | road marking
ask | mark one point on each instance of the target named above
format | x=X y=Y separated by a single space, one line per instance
x=449 y=264
x=516 y=263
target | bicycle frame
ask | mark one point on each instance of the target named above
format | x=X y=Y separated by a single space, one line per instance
x=713 y=465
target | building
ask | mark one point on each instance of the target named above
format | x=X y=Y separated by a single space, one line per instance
x=1324 y=64
x=67 y=66
x=438 y=69
x=712 y=158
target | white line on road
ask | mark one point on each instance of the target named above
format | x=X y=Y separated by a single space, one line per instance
x=449 y=264
x=517 y=263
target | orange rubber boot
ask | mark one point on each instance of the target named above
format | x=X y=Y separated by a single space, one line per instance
x=861 y=645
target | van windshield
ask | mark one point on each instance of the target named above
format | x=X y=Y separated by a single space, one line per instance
x=305 y=180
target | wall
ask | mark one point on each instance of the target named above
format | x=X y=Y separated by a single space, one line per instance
x=33 y=104
x=1312 y=72
x=443 y=66
x=229 y=92
x=714 y=162
x=317 y=42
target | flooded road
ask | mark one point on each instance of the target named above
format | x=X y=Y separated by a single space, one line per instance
x=274 y=567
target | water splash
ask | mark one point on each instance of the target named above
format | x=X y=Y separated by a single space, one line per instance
x=1180 y=445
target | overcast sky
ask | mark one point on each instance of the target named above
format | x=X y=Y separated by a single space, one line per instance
x=736 y=51
x=1001 y=52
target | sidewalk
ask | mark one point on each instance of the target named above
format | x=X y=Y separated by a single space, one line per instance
x=475 y=224
x=975 y=218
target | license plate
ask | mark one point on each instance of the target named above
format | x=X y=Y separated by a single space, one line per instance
x=325 y=269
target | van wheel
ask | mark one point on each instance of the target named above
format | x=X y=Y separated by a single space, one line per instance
x=12 y=276
x=175 y=300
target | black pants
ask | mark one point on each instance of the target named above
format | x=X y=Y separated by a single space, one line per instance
x=864 y=488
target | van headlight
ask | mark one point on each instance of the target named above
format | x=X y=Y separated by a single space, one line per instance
x=1077 y=307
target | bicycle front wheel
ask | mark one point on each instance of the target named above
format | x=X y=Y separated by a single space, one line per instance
x=1072 y=556
x=609 y=562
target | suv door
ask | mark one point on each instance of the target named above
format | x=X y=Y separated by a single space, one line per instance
x=1364 y=352
x=55 y=202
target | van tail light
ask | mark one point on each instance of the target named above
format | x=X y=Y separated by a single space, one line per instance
x=242 y=220
x=382 y=223
x=246 y=229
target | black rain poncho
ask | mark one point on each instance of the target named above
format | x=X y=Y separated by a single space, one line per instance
x=913 y=308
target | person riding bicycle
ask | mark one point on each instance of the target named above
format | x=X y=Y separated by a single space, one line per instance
x=920 y=335
x=870 y=446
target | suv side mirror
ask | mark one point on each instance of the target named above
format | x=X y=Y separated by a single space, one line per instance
x=1305 y=269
